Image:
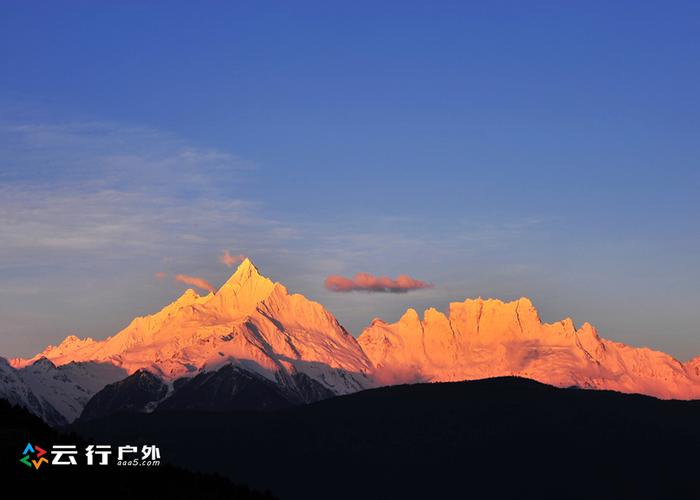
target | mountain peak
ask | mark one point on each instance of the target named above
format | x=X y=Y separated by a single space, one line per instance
x=247 y=264
x=43 y=363
x=187 y=296
x=244 y=289
x=410 y=317
x=245 y=271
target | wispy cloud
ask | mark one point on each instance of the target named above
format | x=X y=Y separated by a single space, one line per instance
x=230 y=260
x=370 y=283
x=195 y=281
x=105 y=155
x=104 y=190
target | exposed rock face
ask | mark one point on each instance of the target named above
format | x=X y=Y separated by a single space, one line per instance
x=487 y=338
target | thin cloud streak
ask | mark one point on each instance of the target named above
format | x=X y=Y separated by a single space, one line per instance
x=370 y=283
x=200 y=283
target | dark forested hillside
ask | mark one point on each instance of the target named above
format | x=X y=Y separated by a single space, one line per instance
x=18 y=427
x=496 y=438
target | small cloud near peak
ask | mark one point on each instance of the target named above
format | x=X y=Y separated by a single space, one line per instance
x=370 y=283
x=230 y=260
x=160 y=275
x=195 y=281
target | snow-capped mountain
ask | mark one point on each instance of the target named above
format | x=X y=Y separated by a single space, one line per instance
x=487 y=338
x=250 y=322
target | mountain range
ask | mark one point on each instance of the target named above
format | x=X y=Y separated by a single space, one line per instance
x=253 y=345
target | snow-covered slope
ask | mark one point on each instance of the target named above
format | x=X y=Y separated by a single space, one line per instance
x=67 y=388
x=487 y=338
x=56 y=394
x=17 y=392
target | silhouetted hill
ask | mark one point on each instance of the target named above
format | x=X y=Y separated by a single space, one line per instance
x=495 y=438
x=19 y=427
x=132 y=394
x=227 y=389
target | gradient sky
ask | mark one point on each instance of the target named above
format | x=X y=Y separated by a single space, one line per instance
x=501 y=149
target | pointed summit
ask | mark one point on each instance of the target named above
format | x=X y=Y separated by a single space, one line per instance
x=246 y=264
x=187 y=296
x=410 y=317
x=243 y=290
x=43 y=363
x=245 y=271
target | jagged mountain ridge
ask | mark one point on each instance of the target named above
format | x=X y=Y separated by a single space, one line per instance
x=488 y=338
x=229 y=388
x=256 y=325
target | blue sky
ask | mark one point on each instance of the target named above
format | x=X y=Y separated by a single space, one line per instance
x=545 y=149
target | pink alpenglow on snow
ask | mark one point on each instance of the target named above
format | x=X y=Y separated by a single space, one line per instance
x=370 y=283
x=482 y=338
x=230 y=260
x=195 y=281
